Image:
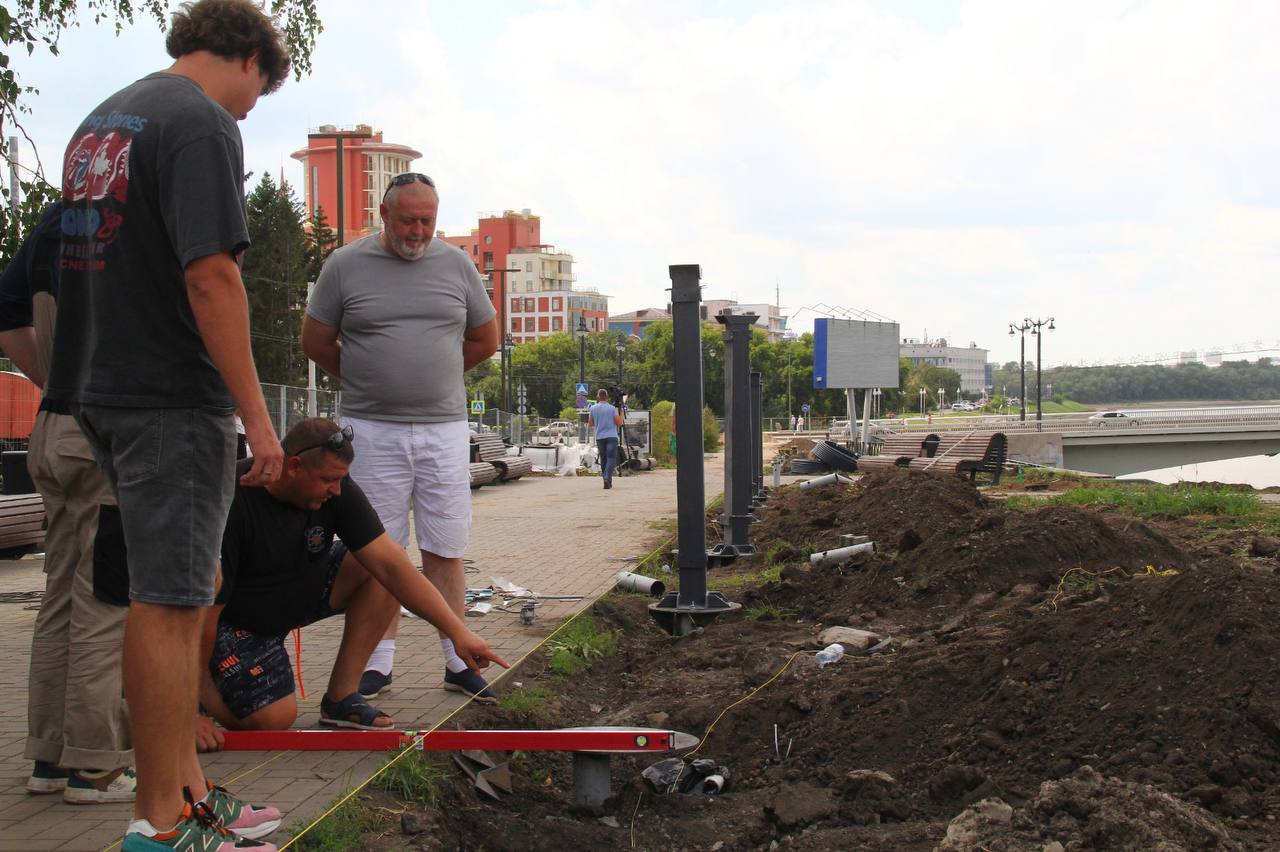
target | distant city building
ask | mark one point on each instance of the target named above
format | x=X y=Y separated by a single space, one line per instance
x=635 y=322
x=368 y=165
x=768 y=317
x=1213 y=359
x=530 y=282
x=970 y=362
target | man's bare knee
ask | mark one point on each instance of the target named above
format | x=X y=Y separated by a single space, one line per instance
x=277 y=716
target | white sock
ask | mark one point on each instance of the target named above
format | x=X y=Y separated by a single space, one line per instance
x=383 y=656
x=144 y=827
x=452 y=661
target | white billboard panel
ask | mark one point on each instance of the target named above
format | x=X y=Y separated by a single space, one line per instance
x=855 y=354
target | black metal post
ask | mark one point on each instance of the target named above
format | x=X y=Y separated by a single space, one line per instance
x=759 y=491
x=739 y=447
x=1037 y=328
x=1021 y=328
x=582 y=375
x=680 y=612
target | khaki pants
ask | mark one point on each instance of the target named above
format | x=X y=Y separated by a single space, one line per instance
x=76 y=714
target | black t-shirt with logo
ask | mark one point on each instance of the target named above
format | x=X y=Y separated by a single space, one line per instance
x=275 y=556
x=152 y=180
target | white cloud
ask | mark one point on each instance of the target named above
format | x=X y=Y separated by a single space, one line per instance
x=1108 y=164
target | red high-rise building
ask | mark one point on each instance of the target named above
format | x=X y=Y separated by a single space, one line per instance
x=368 y=164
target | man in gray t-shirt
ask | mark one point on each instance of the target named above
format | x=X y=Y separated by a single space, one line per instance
x=399 y=317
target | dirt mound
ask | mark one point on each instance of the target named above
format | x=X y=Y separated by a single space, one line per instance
x=1105 y=812
x=939 y=537
x=1029 y=650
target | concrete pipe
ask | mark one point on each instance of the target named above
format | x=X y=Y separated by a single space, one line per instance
x=840 y=554
x=652 y=586
x=829 y=479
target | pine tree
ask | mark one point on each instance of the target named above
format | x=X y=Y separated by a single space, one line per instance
x=275 y=273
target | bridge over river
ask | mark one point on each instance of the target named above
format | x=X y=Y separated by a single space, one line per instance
x=1144 y=439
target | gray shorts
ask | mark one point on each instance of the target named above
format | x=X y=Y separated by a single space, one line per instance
x=173 y=471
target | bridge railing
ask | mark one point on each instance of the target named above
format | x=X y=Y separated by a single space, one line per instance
x=1173 y=419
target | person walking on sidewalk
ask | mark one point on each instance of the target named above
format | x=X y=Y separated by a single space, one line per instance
x=413 y=316
x=77 y=722
x=301 y=549
x=605 y=419
x=152 y=355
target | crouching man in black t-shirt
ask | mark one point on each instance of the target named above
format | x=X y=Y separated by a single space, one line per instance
x=282 y=568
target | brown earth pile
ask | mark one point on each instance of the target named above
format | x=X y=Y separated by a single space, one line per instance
x=1027 y=647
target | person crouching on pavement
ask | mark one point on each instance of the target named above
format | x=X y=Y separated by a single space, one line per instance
x=299 y=550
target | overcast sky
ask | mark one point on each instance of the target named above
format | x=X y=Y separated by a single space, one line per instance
x=950 y=165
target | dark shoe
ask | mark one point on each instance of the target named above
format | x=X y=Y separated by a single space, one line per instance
x=352 y=712
x=608 y=483
x=47 y=778
x=373 y=683
x=470 y=683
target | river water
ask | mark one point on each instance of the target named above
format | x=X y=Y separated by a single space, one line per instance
x=1258 y=471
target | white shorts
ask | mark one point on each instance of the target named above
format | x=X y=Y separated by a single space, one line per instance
x=422 y=466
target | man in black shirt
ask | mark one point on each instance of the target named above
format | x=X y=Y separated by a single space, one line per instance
x=298 y=550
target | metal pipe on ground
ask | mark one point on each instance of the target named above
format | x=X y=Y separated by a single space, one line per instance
x=829 y=479
x=834 y=557
x=629 y=582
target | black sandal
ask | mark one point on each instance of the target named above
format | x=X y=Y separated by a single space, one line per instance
x=351 y=712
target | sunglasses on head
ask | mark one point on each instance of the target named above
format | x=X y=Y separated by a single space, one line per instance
x=406 y=179
x=334 y=442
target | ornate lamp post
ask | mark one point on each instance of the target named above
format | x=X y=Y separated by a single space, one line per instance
x=1022 y=362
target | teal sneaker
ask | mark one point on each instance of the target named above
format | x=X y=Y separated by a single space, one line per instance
x=47 y=778
x=196 y=831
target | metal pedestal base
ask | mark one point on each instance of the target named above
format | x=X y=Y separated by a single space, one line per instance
x=683 y=620
x=591 y=782
x=732 y=551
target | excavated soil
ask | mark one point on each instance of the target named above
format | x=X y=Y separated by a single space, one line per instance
x=1056 y=676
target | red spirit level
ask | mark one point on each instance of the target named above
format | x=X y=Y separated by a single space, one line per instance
x=602 y=739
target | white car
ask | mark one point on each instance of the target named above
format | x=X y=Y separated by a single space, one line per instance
x=1112 y=418
x=559 y=428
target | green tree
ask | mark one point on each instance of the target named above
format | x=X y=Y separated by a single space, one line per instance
x=275 y=273
x=31 y=25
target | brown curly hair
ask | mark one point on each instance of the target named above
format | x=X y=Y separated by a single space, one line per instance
x=232 y=29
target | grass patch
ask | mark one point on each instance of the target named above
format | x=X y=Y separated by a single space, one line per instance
x=766 y=611
x=582 y=641
x=1024 y=502
x=338 y=832
x=526 y=701
x=1173 y=501
x=413 y=777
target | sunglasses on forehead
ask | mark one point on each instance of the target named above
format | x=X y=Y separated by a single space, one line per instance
x=334 y=442
x=406 y=179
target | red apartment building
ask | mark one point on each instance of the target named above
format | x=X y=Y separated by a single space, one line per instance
x=531 y=283
x=368 y=165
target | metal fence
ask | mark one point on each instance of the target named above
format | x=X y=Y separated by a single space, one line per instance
x=1160 y=419
x=287 y=405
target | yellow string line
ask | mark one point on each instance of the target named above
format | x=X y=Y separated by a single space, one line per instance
x=1053 y=602
x=231 y=780
x=413 y=747
x=707 y=734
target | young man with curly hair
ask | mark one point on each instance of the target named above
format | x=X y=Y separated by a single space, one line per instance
x=151 y=357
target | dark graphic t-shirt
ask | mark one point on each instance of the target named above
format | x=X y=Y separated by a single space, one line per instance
x=152 y=180
x=275 y=556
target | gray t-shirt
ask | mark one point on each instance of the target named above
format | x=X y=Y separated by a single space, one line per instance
x=401 y=324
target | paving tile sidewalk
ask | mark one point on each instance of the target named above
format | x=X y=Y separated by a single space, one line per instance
x=552 y=535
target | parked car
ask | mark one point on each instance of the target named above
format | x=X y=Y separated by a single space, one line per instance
x=559 y=429
x=1112 y=418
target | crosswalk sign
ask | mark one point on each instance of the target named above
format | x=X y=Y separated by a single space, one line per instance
x=477 y=406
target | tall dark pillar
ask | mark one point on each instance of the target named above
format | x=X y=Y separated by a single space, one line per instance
x=680 y=612
x=759 y=493
x=739 y=447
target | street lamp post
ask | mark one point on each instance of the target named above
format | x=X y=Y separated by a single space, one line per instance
x=622 y=348
x=504 y=332
x=582 y=374
x=942 y=399
x=1022 y=363
x=1037 y=328
x=508 y=348
x=922 y=402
